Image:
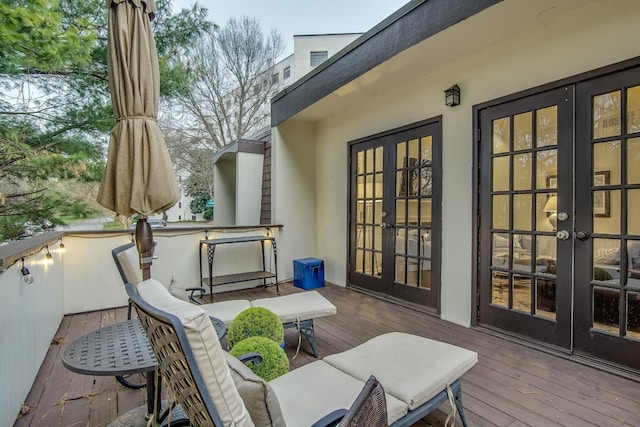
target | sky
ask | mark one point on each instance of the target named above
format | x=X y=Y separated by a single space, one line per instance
x=297 y=17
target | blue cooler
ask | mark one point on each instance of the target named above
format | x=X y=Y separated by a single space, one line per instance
x=308 y=273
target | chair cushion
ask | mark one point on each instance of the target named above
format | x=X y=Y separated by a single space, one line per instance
x=258 y=396
x=207 y=351
x=412 y=368
x=226 y=310
x=177 y=289
x=298 y=306
x=312 y=391
x=129 y=260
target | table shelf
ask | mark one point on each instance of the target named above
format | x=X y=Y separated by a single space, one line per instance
x=212 y=280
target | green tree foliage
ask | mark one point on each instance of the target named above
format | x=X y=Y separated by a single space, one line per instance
x=55 y=106
x=199 y=205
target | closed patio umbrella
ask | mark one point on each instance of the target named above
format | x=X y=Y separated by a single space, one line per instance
x=139 y=176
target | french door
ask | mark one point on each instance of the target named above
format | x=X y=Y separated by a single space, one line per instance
x=559 y=234
x=394 y=213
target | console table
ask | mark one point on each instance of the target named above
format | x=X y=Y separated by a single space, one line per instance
x=224 y=279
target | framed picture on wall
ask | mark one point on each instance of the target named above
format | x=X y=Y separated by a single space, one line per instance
x=601 y=204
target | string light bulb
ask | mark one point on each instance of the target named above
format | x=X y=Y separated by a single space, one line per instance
x=48 y=258
x=62 y=248
x=26 y=274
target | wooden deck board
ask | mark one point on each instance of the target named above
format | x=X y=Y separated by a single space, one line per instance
x=512 y=385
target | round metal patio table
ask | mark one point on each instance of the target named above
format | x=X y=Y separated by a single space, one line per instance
x=120 y=349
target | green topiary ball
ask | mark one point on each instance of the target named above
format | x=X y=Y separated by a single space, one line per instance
x=274 y=360
x=252 y=322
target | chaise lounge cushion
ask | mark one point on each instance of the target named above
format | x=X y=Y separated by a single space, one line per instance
x=312 y=391
x=206 y=349
x=298 y=306
x=257 y=395
x=226 y=310
x=401 y=362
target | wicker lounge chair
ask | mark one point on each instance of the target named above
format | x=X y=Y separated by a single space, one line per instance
x=215 y=388
x=294 y=311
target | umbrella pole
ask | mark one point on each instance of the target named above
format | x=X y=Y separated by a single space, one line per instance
x=145 y=245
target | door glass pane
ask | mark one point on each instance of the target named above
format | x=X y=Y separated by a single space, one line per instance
x=633 y=211
x=368 y=186
x=360 y=187
x=633 y=315
x=401 y=240
x=547 y=126
x=425 y=212
x=369 y=158
x=359 y=268
x=606 y=310
x=522 y=131
x=360 y=162
x=633 y=160
x=377 y=259
x=426 y=179
x=500 y=289
x=546 y=211
x=501 y=211
x=633 y=109
x=401 y=216
x=522 y=171
x=522 y=211
x=547 y=169
x=378 y=165
x=606 y=115
x=412 y=212
x=633 y=263
x=606 y=260
x=546 y=254
x=414 y=151
x=501 y=135
x=522 y=293
x=367 y=263
x=501 y=173
x=401 y=155
x=606 y=163
x=606 y=211
x=377 y=238
x=546 y=297
x=426 y=150
x=400 y=270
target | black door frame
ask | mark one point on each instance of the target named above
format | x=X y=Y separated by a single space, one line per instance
x=475 y=241
x=402 y=292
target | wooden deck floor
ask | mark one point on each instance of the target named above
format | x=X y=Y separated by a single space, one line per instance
x=512 y=385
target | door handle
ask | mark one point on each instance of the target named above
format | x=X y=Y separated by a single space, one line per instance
x=562 y=235
x=582 y=235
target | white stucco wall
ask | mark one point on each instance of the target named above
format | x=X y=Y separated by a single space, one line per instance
x=293 y=194
x=248 y=188
x=29 y=317
x=597 y=34
x=224 y=191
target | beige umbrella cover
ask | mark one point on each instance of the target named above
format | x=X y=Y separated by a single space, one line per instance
x=139 y=176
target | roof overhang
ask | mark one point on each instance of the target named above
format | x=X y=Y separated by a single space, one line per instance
x=416 y=41
x=239 y=146
x=415 y=22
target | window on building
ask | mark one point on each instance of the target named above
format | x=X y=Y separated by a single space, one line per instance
x=286 y=73
x=275 y=78
x=318 y=57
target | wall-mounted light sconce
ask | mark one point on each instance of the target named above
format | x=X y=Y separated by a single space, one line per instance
x=26 y=274
x=62 y=249
x=452 y=96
